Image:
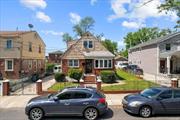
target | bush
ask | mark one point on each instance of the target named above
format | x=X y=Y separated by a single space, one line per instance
x=75 y=74
x=108 y=76
x=49 y=68
x=59 y=77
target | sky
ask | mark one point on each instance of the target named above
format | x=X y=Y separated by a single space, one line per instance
x=52 y=18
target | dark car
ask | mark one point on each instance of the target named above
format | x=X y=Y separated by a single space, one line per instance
x=134 y=69
x=160 y=100
x=74 y=101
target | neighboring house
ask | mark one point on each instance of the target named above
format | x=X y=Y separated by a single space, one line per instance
x=121 y=61
x=88 y=54
x=55 y=57
x=22 y=53
x=159 y=58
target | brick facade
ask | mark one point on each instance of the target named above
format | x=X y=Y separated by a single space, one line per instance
x=22 y=68
x=54 y=58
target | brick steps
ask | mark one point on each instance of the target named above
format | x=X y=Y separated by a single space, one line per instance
x=90 y=79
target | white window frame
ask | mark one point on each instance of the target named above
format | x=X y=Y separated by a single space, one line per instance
x=88 y=44
x=73 y=63
x=6 y=67
x=11 y=43
x=103 y=64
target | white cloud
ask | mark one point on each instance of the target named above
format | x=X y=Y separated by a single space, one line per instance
x=121 y=44
x=135 y=10
x=133 y=24
x=43 y=17
x=93 y=2
x=32 y=4
x=52 y=32
x=118 y=9
x=74 y=18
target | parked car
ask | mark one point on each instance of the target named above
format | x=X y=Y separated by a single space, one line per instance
x=121 y=65
x=159 y=100
x=75 y=101
x=134 y=69
x=57 y=69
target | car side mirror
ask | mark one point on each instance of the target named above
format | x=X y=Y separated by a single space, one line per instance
x=55 y=98
x=158 y=98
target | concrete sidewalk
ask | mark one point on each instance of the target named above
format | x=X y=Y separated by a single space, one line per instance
x=21 y=100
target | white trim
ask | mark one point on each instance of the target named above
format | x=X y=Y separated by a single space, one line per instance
x=6 y=68
x=73 y=63
x=88 y=44
x=103 y=64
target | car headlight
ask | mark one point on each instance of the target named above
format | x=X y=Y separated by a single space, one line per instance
x=135 y=103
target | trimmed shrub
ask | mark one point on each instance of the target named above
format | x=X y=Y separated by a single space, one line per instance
x=49 y=68
x=75 y=74
x=108 y=76
x=59 y=77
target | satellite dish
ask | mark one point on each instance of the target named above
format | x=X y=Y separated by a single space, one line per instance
x=30 y=26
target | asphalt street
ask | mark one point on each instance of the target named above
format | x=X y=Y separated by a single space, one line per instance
x=114 y=113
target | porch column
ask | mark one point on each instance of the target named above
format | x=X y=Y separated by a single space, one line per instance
x=168 y=64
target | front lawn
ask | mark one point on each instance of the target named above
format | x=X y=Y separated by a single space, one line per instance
x=131 y=83
x=61 y=85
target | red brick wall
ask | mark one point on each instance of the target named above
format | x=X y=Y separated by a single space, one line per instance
x=26 y=71
x=54 y=58
x=65 y=67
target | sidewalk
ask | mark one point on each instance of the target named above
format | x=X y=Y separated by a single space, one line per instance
x=21 y=100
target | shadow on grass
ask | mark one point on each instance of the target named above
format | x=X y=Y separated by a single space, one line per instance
x=108 y=115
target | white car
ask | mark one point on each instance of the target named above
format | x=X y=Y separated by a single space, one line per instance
x=121 y=65
x=57 y=69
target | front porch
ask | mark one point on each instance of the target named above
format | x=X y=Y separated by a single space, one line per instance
x=169 y=64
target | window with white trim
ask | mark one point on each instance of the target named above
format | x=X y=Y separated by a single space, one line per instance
x=103 y=63
x=73 y=63
x=9 y=65
x=88 y=44
x=9 y=44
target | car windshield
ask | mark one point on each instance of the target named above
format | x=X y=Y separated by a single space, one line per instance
x=150 y=92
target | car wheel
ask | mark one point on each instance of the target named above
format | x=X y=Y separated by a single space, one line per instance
x=145 y=111
x=36 y=114
x=91 y=114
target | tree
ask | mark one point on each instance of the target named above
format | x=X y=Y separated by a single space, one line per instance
x=66 y=37
x=84 y=26
x=171 y=5
x=143 y=35
x=110 y=45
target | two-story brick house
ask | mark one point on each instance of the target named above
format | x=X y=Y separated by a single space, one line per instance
x=159 y=58
x=88 y=54
x=22 y=54
x=55 y=57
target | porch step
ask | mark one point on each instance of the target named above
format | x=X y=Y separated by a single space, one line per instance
x=90 y=79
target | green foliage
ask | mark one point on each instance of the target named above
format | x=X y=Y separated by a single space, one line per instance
x=75 y=74
x=108 y=76
x=49 y=67
x=59 y=77
x=66 y=37
x=84 y=26
x=61 y=85
x=110 y=45
x=124 y=53
x=171 y=5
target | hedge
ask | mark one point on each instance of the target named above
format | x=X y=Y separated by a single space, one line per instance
x=59 y=77
x=75 y=74
x=108 y=76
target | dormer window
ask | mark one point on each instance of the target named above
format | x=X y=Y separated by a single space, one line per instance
x=88 y=44
x=168 y=46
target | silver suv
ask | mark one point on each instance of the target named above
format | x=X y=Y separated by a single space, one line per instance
x=75 y=101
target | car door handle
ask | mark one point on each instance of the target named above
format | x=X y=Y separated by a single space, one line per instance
x=66 y=103
x=85 y=103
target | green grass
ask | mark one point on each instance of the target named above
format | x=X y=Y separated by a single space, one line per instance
x=61 y=85
x=131 y=83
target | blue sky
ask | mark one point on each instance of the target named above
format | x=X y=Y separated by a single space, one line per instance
x=52 y=18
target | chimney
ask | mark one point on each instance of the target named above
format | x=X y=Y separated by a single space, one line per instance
x=70 y=43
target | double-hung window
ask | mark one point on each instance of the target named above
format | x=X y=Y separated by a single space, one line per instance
x=9 y=65
x=103 y=63
x=73 y=63
x=9 y=44
x=88 y=44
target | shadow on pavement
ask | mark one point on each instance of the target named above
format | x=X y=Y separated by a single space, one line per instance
x=107 y=115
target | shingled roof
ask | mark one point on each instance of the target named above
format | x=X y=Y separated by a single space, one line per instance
x=156 y=41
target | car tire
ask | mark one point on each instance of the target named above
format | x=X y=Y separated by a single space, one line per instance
x=36 y=114
x=145 y=111
x=91 y=113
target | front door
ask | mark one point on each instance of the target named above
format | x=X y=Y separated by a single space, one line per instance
x=88 y=66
